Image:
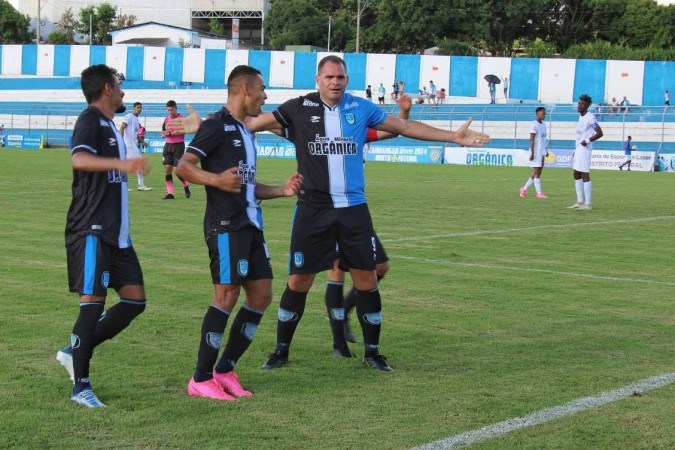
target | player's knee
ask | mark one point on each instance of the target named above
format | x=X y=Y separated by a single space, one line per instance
x=382 y=269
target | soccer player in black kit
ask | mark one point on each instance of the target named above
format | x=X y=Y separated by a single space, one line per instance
x=98 y=245
x=329 y=129
x=233 y=229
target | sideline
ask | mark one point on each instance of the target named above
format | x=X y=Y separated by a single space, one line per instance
x=548 y=414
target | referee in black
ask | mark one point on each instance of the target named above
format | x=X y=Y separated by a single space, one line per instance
x=98 y=244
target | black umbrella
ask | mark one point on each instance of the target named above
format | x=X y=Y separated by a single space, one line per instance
x=494 y=79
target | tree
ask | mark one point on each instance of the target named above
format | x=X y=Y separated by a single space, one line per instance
x=65 y=29
x=639 y=22
x=13 y=25
x=296 y=22
x=216 y=27
x=102 y=18
x=125 y=20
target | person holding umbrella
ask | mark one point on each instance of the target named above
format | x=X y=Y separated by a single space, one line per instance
x=493 y=81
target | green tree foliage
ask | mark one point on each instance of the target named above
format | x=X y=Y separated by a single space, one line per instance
x=297 y=22
x=639 y=22
x=216 y=27
x=124 y=21
x=13 y=25
x=102 y=19
x=540 y=49
x=65 y=29
x=454 y=47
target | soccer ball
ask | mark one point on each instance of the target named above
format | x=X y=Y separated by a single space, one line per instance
x=634 y=147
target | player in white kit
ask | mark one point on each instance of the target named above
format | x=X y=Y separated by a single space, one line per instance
x=538 y=152
x=588 y=131
x=129 y=131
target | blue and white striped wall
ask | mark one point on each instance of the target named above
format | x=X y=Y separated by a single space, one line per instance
x=548 y=80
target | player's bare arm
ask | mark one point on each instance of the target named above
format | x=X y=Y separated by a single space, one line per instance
x=289 y=189
x=418 y=130
x=531 y=146
x=404 y=104
x=598 y=134
x=228 y=180
x=93 y=163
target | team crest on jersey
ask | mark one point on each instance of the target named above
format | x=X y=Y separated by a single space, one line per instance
x=350 y=118
x=105 y=279
x=298 y=259
x=230 y=128
x=242 y=267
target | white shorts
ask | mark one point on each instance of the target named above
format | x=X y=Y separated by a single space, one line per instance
x=581 y=162
x=133 y=151
x=538 y=161
x=628 y=157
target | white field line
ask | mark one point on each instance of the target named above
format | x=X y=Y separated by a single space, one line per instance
x=534 y=228
x=548 y=414
x=526 y=269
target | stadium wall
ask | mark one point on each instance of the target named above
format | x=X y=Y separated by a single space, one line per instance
x=544 y=80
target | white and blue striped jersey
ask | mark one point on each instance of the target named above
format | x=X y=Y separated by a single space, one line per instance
x=100 y=204
x=329 y=147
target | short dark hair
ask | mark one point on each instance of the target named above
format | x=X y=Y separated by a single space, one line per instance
x=586 y=98
x=171 y=103
x=240 y=72
x=333 y=59
x=629 y=138
x=138 y=104
x=93 y=81
x=541 y=108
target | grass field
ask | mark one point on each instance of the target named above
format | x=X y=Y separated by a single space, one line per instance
x=495 y=307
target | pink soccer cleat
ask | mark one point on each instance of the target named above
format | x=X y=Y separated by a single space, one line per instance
x=541 y=195
x=207 y=389
x=230 y=382
x=523 y=192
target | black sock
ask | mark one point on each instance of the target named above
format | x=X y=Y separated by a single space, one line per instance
x=349 y=301
x=291 y=308
x=213 y=327
x=336 y=312
x=168 y=178
x=369 y=310
x=242 y=332
x=117 y=318
x=82 y=339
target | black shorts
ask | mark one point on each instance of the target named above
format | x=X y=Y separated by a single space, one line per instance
x=317 y=233
x=238 y=256
x=380 y=256
x=94 y=265
x=173 y=153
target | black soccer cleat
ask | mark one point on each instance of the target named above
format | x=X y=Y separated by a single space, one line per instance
x=168 y=197
x=275 y=360
x=378 y=362
x=188 y=193
x=343 y=351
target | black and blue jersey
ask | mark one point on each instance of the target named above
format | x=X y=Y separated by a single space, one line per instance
x=329 y=147
x=100 y=204
x=221 y=143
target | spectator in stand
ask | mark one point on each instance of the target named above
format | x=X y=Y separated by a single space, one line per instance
x=613 y=106
x=598 y=111
x=369 y=93
x=380 y=94
x=441 y=96
x=624 y=104
x=394 y=92
x=667 y=97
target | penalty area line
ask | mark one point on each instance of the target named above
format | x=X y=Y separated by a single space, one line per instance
x=549 y=414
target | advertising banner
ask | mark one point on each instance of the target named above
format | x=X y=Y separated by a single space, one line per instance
x=665 y=162
x=28 y=141
x=405 y=154
x=473 y=156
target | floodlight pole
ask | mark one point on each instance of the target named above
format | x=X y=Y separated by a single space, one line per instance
x=37 y=29
x=359 y=11
x=329 y=23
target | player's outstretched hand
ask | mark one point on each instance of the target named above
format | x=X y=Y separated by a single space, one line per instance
x=189 y=124
x=230 y=180
x=293 y=185
x=404 y=103
x=470 y=138
x=136 y=165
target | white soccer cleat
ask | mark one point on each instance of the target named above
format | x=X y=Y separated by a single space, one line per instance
x=65 y=358
x=584 y=207
x=87 y=398
x=575 y=206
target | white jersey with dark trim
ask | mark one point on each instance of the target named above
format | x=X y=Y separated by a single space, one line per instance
x=221 y=143
x=100 y=204
x=540 y=142
x=329 y=147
